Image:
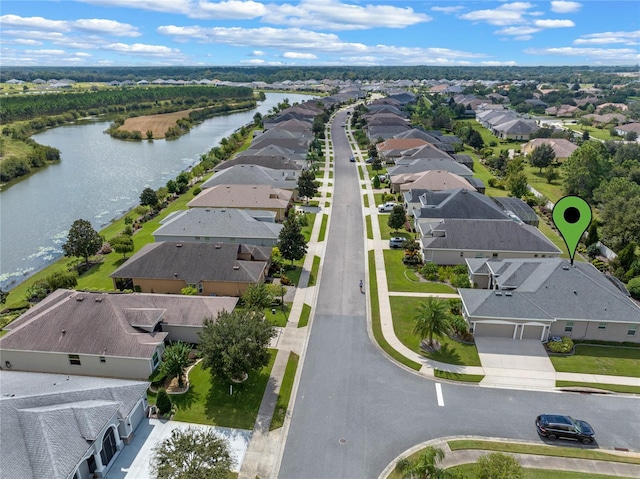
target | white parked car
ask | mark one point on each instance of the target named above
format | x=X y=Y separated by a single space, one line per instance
x=386 y=207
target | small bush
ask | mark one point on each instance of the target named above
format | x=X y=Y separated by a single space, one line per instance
x=163 y=402
x=564 y=346
x=430 y=271
x=285 y=280
x=196 y=191
x=634 y=288
x=460 y=281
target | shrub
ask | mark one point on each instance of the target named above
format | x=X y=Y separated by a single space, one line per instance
x=157 y=377
x=196 y=191
x=285 y=280
x=634 y=287
x=430 y=271
x=460 y=269
x=389 y=197
x=163 y=402
x=460 y=281
x=564 y=346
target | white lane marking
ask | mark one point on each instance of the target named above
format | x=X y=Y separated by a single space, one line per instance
x=439 y=394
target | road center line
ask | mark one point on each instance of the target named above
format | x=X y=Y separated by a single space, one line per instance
x=439 y=394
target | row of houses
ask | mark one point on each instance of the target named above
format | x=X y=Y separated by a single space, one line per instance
x=522 y=289
x=74 y=367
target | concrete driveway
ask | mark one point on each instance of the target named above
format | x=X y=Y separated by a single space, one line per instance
x=515 y=363
x=133 y=460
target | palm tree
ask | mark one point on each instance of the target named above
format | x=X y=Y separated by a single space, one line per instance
x=432 y=319
x=175 y=360
x=426 y=466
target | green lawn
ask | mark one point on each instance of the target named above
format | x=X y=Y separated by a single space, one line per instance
x=313 y=276
x=286 y=386
x=403 y=278
x=306 y=230
x=607 y=387
x=600 y=360
x=553 y=191
x=209 y=402
x=593 y=132
x=323 y=227
x=281 y=315
x=386 y=232
x=403 y=310
x=541 y=449
x=375 y=318
x=468 y=470
x=556 y=239
x=480 y=171
x=304 y=316
x=365 y=200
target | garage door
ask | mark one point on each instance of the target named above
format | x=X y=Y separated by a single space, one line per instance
x=532 y=332
x=494 y=330
x=136 y=416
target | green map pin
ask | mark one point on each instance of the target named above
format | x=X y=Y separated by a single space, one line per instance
x=572 y=216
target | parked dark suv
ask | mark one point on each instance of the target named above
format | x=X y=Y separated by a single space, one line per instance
x=553 y=426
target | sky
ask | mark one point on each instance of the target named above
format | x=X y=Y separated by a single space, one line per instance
x=319 y=32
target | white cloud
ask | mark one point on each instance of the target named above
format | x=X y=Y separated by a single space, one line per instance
x=554 y=23
x=447 y=9
x=505 y=14
x=522 y=30
x=258 y=53
x=22 y=41
x=499 y=64
x=523 y=38
x=334 y=15
x=607 y=38
x=167 y=6
x=108 y=27
x=254 y=61
x=230 y=9
x=605 y=56
x=82 y=54
x=45 y=52
x=565 y=7
x=300 y=56
x=141 y=49
x=88 y=25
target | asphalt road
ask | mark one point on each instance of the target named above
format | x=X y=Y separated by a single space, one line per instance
x=355 y=411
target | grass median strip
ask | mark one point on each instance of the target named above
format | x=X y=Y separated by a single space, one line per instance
x=542 y=450
x=323 y=227
x=469 y=378
x=304 y=316
x=313 y=277
x=282 y=403
x=618 y=388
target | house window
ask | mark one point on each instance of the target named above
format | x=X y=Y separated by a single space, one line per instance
x=207 y=238
x=494 y=255
x=535 y=255
x=155 y=359
x=232 y=240
x=602 y=325
x=479 y=255
x=461 y=254
x=200 y=288
x=197 y=238
x=74 y=359
x=632 y=330
x=568 y=327
x=103 y=359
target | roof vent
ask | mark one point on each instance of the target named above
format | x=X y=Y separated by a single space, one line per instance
x=218 y=246
x=565 y=267
x=98 y=299
x=236 y=267
x=508 y=294
x=178 y=245
x=79 y=298
x=498 y=293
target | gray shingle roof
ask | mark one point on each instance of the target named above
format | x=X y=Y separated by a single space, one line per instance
x=550 y=289
x=254 y=175
x=411 y=165
x=74 y=322
x=46 y=420
x=488 y=235
x=457 y=203
x=218 y=223
x=195 y=262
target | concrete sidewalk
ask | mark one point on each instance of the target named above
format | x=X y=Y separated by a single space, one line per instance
x=533 y=461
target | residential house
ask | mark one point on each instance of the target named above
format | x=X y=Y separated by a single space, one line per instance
x=218 y=225
x=607 y=119
x=418 y=165
x=297 y=142
x=464 y=159
x=252 y=197
x=457 y=203
x=393 y=148
x=435 y=180
x=545 y=298
x=561 y=147
x=221 y=269
x=256 y=175
x=561 y=111
x=451 y=241
x=518 y=129
x=271 y=156
x=622 y=130
x=72 y=332
x=66 y=426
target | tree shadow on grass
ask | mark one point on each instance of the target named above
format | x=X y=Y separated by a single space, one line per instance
x=187 y=399
x=446 y=354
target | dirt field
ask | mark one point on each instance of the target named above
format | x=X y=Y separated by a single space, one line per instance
x=158 y=124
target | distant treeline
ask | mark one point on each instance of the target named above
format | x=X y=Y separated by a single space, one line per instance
x=26 y=107
x=566 y=74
